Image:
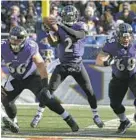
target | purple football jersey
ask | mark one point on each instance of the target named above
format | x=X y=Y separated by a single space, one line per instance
x=70 y=49
x=46 y=51
x=20 y=65
x=125 y=58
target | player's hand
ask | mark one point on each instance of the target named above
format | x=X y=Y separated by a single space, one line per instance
x=51 y=23
x=49 y=20
x=111 y=61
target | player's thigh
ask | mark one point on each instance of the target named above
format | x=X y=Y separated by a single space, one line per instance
x=14 y=93
x=132 y=84
x=83 y=79
x=57 y=77
x=34 y=84
x=117 y=90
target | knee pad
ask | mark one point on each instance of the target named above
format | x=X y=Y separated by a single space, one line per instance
x=118 y=109
x=44 y=96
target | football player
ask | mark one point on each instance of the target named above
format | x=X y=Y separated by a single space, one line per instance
x=119 y=52
x=48 y=54
x=22 y=58
x=71 y=36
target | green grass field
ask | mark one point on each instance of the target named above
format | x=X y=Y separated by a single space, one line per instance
x=53 y=125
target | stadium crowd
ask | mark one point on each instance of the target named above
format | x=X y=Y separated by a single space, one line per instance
x=101 y=17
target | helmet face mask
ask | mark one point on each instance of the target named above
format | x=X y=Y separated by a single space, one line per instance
x=16 y=44
x=17 y=38
x=69 y=15
x=125 y=34
x=125 y=39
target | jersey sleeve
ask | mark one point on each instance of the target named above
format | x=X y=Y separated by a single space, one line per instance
x=109 y=46
x=80 y=26
x=105 y=48
x=33 y=47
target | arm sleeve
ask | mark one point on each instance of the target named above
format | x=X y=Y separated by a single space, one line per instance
x=34 y=48
x=78 y=34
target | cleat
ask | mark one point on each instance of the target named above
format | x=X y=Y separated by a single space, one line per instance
x=36 y=121
x=10 y=125
x=98 y=121
x=135 y=117
x=123 y=126
x=71 y=122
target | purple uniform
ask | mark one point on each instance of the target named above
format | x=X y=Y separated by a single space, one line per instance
x=125 y=65
x=20 y=65
x=70 y=49
x=46 y=51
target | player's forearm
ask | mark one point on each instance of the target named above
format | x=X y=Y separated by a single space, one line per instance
x=102 y=59
x=105 y=60
x=42 y=70
x=77 y=34
x=99 y=62
x=38 y=60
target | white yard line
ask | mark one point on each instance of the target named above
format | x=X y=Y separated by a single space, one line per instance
x=114 y=123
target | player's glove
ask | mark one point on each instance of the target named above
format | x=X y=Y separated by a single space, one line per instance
x=109 y=62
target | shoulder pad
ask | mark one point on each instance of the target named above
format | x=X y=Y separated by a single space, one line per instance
x=31 y=43
x=80 y=26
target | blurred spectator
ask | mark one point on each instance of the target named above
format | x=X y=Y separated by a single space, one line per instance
x=126 y=14
x=114 y=7
x=134 y=25
x=133 y=6
x=80 y=5
x=90 y=19
x=31 y=20
x=92 y=4
x=107 y=22
x=54 y=11
x=15 y=17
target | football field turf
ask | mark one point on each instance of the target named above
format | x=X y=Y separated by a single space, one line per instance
x=52 y=127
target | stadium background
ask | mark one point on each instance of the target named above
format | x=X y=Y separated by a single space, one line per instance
x=69 y=92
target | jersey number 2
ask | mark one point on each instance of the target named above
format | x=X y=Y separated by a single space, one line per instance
x=69 y=44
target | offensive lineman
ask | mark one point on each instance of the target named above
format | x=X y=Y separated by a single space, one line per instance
x=22 y=58
x=120 y=53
